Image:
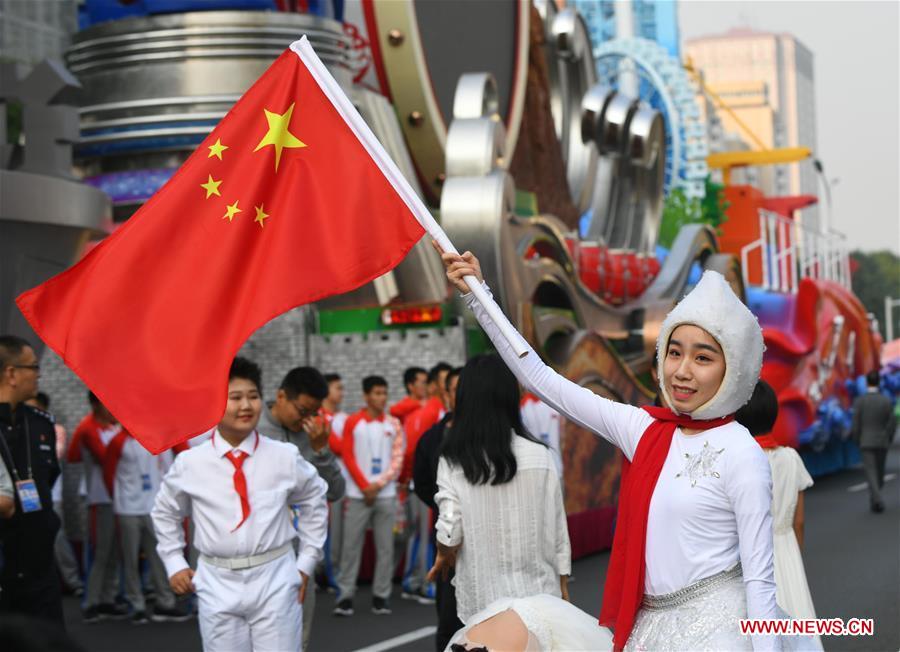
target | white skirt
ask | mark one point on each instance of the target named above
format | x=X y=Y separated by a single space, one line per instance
x=702 y=617
x=553 y=624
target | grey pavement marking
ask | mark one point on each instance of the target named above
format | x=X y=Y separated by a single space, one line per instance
x=397 y=641
x=862 y=486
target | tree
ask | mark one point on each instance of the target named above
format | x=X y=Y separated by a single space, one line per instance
x=877 y=276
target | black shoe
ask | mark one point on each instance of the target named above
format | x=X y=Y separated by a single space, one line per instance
x=172 y=615
x=139 y=618
x=91 y=615
x=380 y=607
x=112 y=611
x=878 y=508
x=343 y=608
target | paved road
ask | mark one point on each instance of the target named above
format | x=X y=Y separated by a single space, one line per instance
x=852 y=558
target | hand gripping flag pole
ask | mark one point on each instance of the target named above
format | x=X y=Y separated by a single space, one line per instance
x=351 y=116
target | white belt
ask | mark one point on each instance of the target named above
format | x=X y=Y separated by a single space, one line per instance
x=241 y=563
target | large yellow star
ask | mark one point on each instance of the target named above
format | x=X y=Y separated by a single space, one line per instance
x=217 y=149
x=231 y=211
x=211 y=187
x=261 y=215
x=278 y=135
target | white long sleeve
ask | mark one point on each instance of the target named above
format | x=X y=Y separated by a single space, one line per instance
x=620 y=424
x=449 y=523
x=169 y=509
x=308 y=498
x=749 y=487
x=514 y=538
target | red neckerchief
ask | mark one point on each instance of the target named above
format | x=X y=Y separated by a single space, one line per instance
x=624 y=589
x=767 y=441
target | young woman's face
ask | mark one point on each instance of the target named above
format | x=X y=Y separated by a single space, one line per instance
x=693 y=369
x=243 y=408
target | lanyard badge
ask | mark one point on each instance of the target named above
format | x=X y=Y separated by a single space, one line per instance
x=26 y=489
x=28 y=496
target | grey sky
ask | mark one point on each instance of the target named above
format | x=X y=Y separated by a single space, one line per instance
x=857 y=71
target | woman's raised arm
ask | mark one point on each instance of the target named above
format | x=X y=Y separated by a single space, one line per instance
x=620 y=424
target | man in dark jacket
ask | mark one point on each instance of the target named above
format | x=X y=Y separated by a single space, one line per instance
x=874 y=425
x=28 y=581
x=425 y=465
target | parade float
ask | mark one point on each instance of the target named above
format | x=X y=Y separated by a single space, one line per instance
x=549 y=158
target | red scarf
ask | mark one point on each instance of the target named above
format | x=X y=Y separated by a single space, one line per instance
x=767 y=441
x=625 y=578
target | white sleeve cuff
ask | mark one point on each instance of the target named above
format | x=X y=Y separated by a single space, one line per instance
x=306 y=564
x=175 y=564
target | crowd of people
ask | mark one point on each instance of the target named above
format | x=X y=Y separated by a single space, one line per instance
x=460 y=480
x=137 y=510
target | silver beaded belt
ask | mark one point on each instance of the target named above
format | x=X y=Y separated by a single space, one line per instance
x=688 y=593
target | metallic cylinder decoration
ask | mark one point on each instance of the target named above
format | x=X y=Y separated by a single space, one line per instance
x=476 y=96
x=475 y=147
x=570 y=54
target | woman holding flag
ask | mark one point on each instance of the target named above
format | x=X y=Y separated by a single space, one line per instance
x=693 y=542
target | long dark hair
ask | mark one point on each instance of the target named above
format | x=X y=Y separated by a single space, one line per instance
x=486 y=415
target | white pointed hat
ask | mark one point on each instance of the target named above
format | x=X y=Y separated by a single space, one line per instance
x=713 y=306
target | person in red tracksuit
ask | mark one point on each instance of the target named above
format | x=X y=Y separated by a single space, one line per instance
x=373 y=453
x=88 y=446
x=419 y=555
x=415 y=379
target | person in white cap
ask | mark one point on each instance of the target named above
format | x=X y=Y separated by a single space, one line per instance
x=693 y=541
x=239 y=488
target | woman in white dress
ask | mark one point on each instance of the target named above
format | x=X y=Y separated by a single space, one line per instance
x=502 y=523
x=789 y=480
x=692 y=553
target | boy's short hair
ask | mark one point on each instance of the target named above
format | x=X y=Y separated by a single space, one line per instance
x=246 y=369
x=331 y=378
x=434 y=374
x=304 y=380
x=873 y=378
x=371 y=382
x=409 y=376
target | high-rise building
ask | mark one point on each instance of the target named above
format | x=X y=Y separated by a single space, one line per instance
x=767 y=80
x=656 y=20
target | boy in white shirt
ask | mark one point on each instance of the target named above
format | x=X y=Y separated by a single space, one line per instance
x=238 y=488
x=133 y=476
x=372 y=449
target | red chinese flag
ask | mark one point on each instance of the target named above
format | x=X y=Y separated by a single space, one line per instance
x=285 y=203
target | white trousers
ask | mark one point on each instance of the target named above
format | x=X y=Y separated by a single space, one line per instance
x=251 y=610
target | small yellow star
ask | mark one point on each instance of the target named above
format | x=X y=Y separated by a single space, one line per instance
x=278 y=134
x=217 y=149
x=211 y=187
x=260 y=215
x=231 y=211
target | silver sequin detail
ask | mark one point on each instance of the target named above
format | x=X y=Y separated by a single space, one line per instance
x=688 y=593
x=700 y=465
x=708 y=621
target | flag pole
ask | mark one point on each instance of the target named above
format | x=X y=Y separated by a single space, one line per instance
x=351 y=116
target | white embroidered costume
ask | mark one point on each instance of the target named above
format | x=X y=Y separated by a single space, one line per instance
x=709 y=520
